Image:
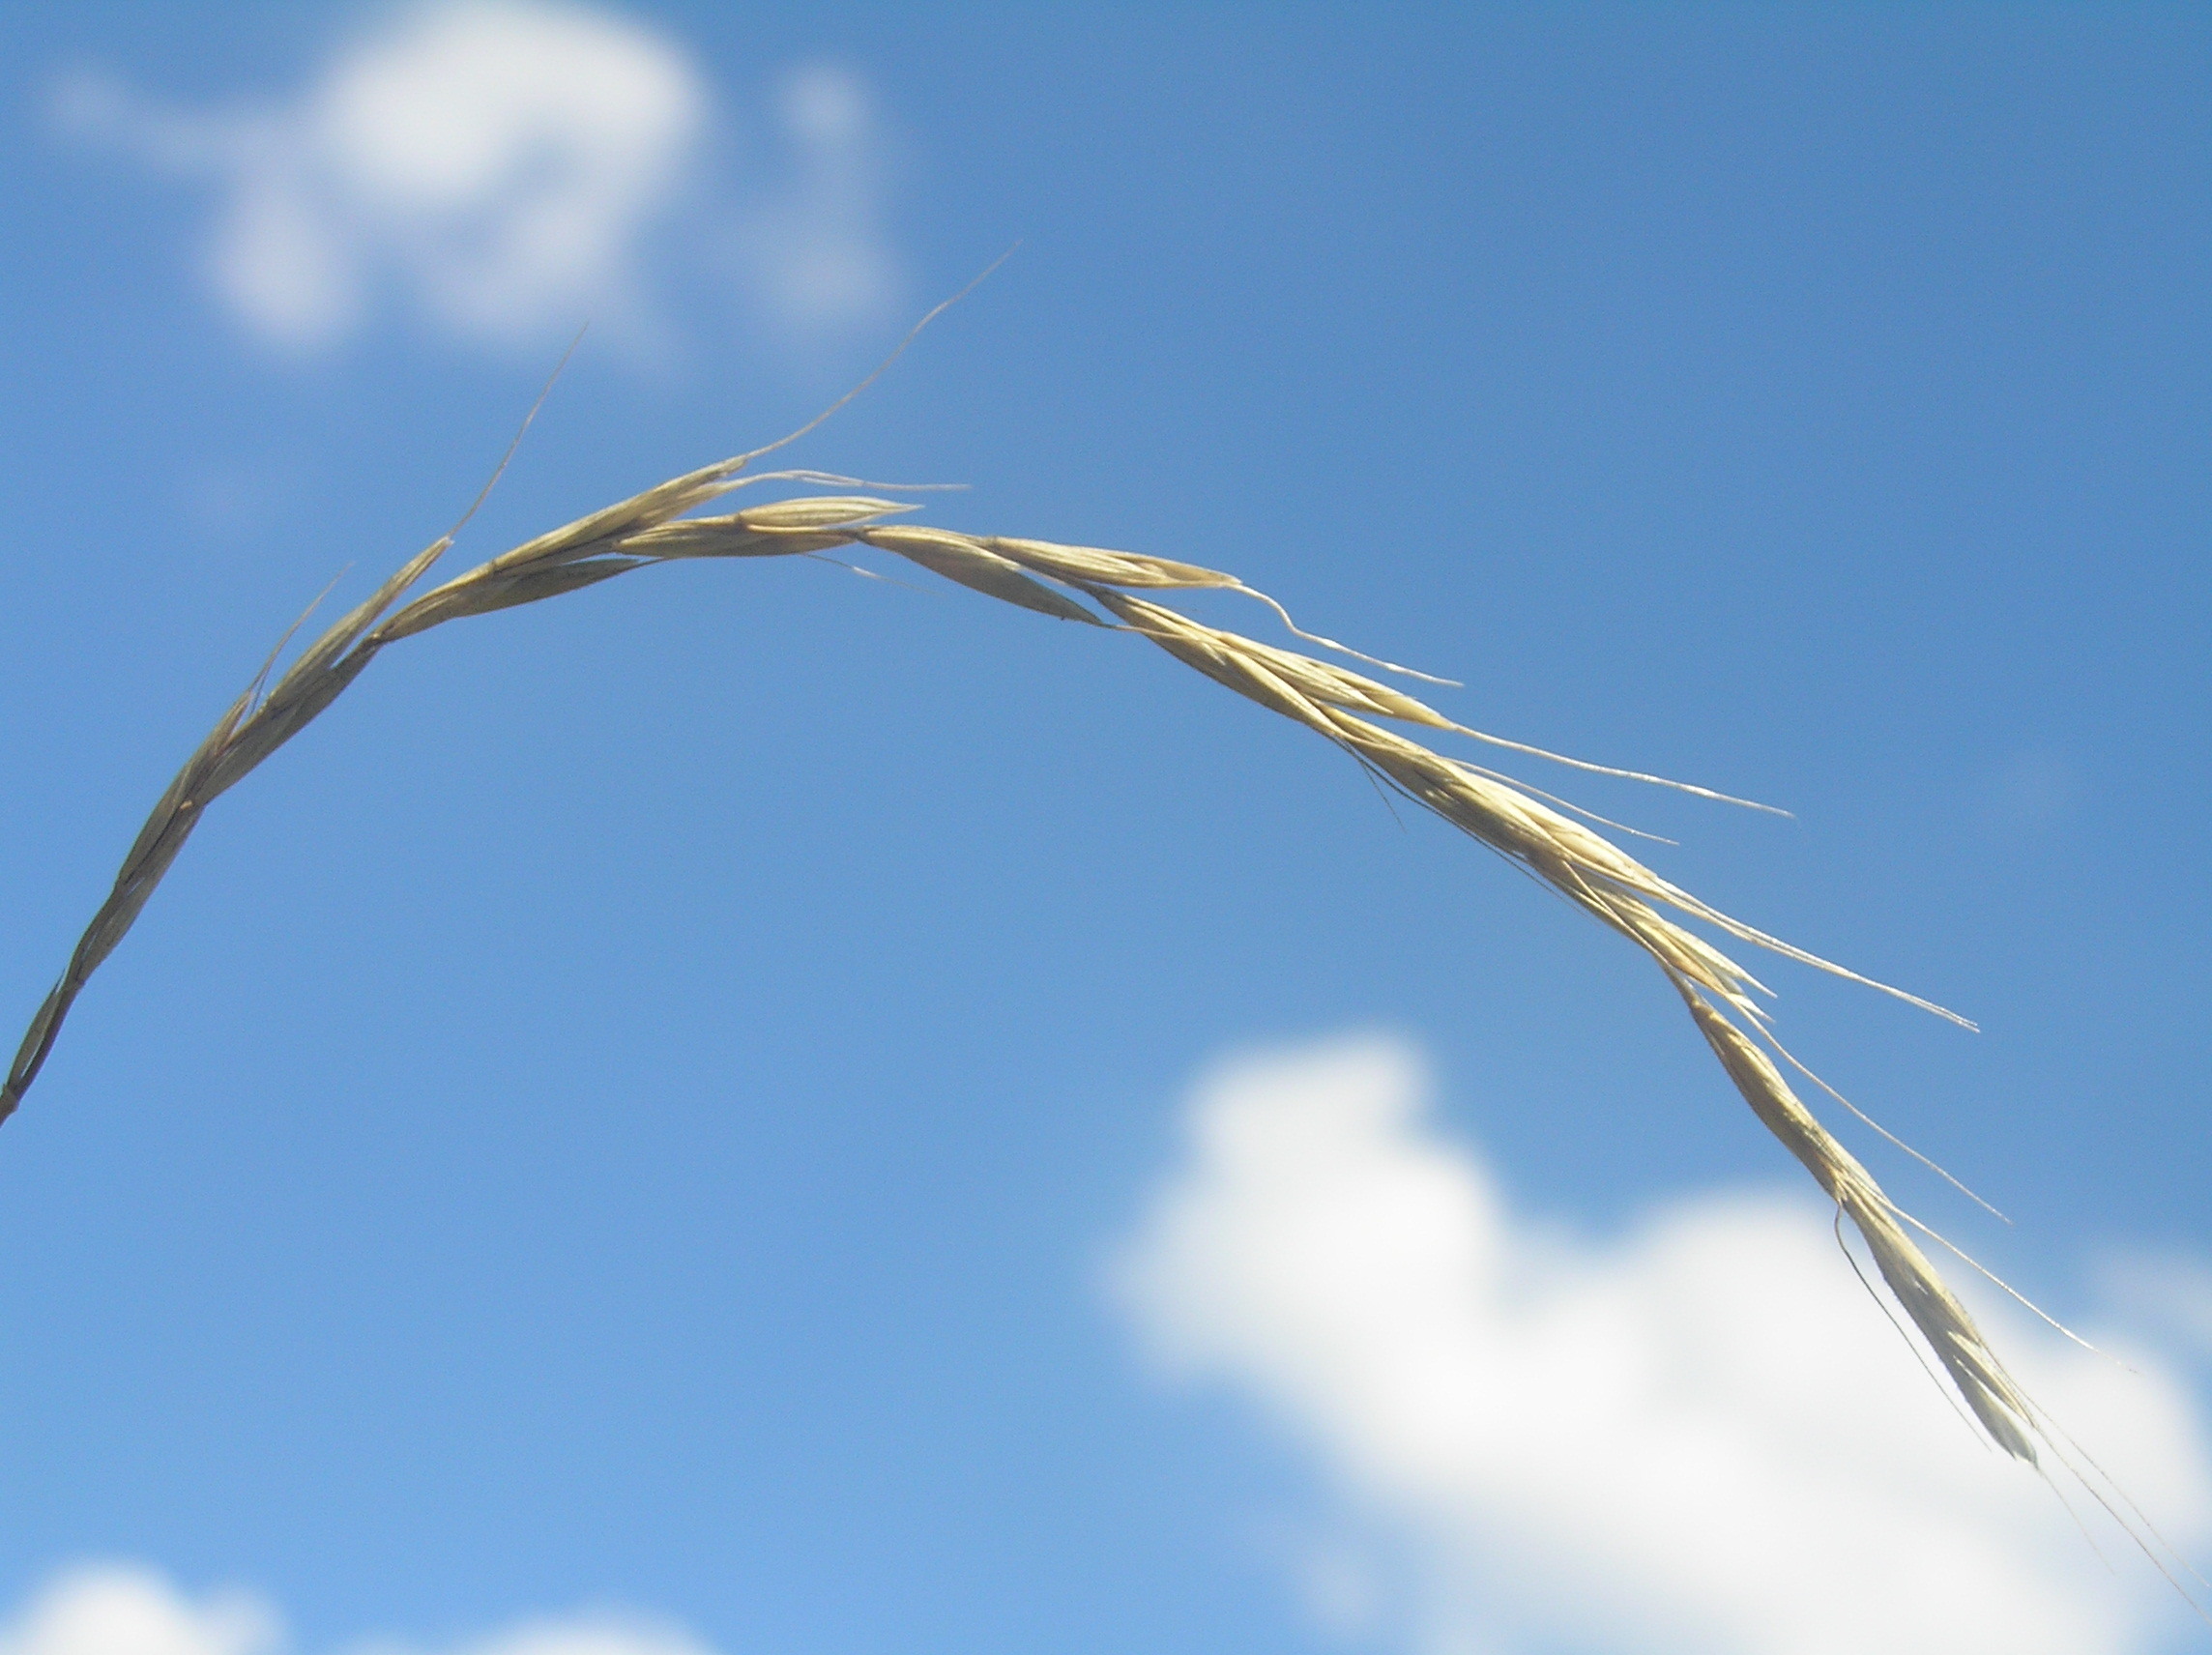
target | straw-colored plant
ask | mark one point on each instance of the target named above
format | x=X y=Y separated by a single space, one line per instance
x=1118 y=589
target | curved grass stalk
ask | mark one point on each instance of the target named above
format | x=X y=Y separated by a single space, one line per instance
x=1099 y=588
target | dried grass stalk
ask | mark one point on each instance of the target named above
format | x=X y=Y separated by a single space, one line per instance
x=1052 y=579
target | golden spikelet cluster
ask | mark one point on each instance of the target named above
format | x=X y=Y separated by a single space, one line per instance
x=1099 y=588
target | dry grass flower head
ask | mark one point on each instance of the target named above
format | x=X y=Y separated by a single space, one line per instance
x=1122 y=591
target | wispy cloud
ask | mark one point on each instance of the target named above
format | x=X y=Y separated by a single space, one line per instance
x=815 y=252
x=1698 y=1436
x=507 y=169
x=129 y=1609
x=2165 y=1291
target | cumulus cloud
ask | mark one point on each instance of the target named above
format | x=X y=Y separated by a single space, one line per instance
x=126 y=1609
x=1700 y=1435
x=508 y=169
x=120 y=1610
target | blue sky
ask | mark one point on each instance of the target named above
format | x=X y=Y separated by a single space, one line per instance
x=753 y=1110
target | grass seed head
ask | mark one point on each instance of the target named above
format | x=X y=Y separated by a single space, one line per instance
x=1048 y=577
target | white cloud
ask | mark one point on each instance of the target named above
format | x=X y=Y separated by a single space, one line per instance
x=816 y=254
x=114 y=1609
x=510 y=168
x=126 y=1609
x=1697 y=1437
x=577 y=1634
x=2164 y=1291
